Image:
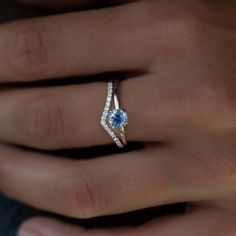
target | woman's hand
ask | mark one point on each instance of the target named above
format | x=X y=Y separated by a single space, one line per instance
x=180 y=60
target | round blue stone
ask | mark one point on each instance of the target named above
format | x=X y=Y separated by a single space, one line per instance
x=118 y=118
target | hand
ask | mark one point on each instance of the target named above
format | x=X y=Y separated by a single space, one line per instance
x=182 y=95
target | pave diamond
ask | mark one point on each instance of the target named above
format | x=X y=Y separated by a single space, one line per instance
x=118 y=118
x=106 y=114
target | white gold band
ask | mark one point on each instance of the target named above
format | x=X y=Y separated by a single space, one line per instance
x=112 y=94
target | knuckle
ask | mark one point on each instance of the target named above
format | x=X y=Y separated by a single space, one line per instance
x=181 y=35
x=218 y=107
x=85 y=198
x=28 y=51
x=187 y=32
x=44 y=123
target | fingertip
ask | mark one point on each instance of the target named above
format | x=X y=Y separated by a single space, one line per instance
x=32 y=227
x=43 y=226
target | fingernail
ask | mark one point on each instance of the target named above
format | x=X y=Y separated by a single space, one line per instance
x=28 y=233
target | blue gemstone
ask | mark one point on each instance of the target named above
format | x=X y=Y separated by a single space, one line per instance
x=118 y=118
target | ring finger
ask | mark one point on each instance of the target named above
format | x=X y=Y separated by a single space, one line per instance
x=69 y=116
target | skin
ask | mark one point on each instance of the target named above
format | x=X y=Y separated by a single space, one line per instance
x=179 y=58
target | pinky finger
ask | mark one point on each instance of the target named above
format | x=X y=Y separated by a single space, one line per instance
x=200 y=222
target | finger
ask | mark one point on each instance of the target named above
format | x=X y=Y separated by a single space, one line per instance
x=103 y=186
x=61 y=3
x=46 y=226
x=71 y=45
x=54 y=117
x=69 y=116
x=202 y=222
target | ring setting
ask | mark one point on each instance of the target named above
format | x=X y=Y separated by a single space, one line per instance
x=114 y=120
x=118 y=118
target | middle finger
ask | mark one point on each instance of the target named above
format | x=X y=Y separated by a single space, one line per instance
x=75 y=44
